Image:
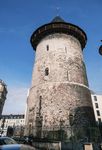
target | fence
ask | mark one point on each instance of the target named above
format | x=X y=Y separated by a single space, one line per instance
x=66 y=133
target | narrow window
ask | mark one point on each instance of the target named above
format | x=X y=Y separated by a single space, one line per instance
x=67 y=76
x=99 y=120
x=47 y=47
x=98 y=113
x=40 y=102
x=46 y=71
x=65 y=49
x=96 y=104
x=95 y=98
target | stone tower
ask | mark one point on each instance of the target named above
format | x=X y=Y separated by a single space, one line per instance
x=3 y=93
x=59 y=95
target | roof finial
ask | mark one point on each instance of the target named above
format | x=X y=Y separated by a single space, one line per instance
x=57 y=10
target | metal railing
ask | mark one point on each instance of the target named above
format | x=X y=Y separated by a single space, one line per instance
x=66 y=133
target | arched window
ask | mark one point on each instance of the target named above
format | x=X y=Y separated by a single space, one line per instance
x=46 y=71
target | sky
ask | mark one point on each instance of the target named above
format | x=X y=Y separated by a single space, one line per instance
x=20 y=18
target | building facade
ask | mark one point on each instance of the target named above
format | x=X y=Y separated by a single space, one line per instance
x=15 y=123
x=3 y=93
x=59 y=95
x=97 y=106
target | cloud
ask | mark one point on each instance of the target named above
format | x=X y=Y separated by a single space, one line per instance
x=16 y=100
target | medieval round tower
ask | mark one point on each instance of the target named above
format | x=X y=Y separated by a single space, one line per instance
x=59 y=95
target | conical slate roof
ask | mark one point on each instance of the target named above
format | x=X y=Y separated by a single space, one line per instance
x=57 y=19
x=58 y=25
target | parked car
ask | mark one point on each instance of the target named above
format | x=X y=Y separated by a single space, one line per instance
x=7 y=140
x=19 y=140
x=28 y=140
x=24 y=140
x=16 y=147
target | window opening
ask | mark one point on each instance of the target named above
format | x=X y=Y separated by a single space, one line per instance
x=46 y=71
x=95 y=98
x=99 y=120
x=47 y=47
x=67 y=76
x=65 y=49
x=40 y=103
x=96 y=104
x=98 y=113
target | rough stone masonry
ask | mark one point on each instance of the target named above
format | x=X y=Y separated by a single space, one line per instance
x=59 y=81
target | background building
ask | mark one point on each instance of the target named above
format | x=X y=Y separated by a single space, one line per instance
x=97 y=106
x=3 y=93
x=14 y=124
x=26 y=115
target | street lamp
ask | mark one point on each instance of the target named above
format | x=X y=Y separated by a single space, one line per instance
x=100 y=49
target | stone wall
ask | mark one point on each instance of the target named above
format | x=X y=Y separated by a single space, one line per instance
x=64 y=60
x=62 y=89
x=59 y=100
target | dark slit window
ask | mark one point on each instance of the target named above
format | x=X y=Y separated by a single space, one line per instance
x=47 y=47
x=96 y=104
x=98 y=113
x=40 y=102
x=95 y=98
x=46 y=71
x=99 y=120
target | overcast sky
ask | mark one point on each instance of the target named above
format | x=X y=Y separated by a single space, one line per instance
x=18 y=20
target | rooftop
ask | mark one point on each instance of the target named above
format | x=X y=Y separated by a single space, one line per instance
x=57 y=19
x=2 y=82
x=58 y=25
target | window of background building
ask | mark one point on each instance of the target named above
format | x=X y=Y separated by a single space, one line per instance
x=99 y=120
x=98 y=113
x=96 y=105
x=95 y=98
